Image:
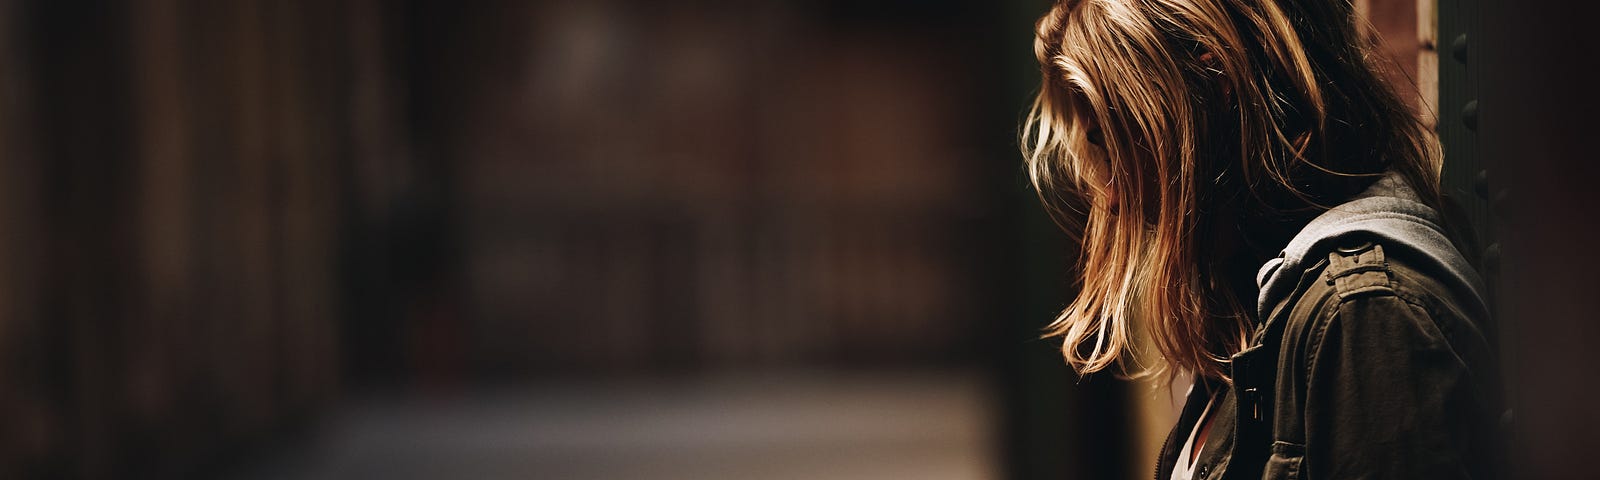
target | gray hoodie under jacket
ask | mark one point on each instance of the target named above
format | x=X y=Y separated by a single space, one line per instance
x=1390 y=211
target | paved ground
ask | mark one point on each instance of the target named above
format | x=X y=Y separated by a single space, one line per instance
x=782 y=426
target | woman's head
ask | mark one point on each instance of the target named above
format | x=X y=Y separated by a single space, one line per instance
x=1162 y=124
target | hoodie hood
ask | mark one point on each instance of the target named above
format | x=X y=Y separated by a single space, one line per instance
x=1390 y=211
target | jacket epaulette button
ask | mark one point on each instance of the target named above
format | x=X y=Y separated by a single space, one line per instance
x=1356 y=249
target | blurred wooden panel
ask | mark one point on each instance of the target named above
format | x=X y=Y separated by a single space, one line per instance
x=169 y=280
x=714 y=188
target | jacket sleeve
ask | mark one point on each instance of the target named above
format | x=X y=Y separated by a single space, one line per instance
x=1386 y=395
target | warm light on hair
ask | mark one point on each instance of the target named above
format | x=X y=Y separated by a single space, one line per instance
x=1156 y=116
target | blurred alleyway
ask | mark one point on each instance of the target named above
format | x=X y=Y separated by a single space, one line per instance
x=619 y=239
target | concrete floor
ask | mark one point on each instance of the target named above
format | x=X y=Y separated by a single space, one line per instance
x=776 y=426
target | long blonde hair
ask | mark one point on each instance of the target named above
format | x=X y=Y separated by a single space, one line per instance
x=1158 y=121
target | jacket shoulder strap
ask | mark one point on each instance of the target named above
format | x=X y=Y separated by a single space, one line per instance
x=1358 y=269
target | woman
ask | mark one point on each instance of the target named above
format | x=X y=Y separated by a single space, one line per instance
x=1258 y=206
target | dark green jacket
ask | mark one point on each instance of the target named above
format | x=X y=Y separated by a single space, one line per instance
x=1371 y=360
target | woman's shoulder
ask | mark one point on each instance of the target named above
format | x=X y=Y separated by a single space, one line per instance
x=1370 y=285
x=1383 y=369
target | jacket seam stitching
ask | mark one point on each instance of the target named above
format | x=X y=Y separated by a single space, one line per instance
x=1317 y=333
x=1324 y=321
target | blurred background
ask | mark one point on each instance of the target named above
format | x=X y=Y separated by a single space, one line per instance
x=567 y=239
